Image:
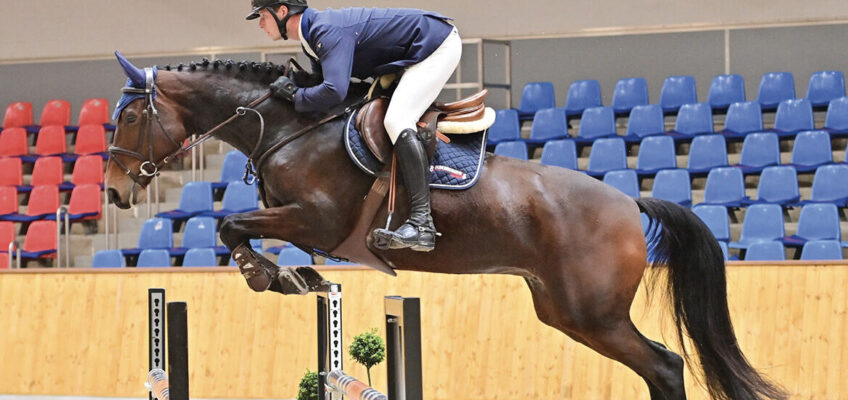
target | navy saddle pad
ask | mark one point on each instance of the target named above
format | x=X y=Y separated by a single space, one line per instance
x=456 y=165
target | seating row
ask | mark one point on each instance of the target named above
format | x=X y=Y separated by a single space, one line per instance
x=679 y=90
x=743 y=118
x=810 y=150
x=57 y=112
x=51 y=141
x=49 y=171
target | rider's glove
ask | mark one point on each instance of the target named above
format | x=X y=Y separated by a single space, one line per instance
x=284 y=88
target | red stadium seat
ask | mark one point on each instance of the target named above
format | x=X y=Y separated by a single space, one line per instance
x=40 y=240
x=18 y=114
x=56 y=112
x=47 y=171
x=90 y=139
x=94 y=111
x=51 y=140
x=13 y=142
x=88 y=169
x=8 y=201
x=85 y=202
x=11 y=172
x=44 y=201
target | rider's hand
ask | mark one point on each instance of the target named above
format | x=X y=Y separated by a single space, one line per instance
x=284 y=88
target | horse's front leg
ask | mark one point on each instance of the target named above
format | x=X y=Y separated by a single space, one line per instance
x=262 y=274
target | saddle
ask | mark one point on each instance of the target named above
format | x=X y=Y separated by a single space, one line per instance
x=468 y=115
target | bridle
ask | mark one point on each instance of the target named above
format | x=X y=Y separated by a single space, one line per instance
x=149 y=168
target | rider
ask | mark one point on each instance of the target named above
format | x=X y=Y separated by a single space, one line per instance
x=369 y=42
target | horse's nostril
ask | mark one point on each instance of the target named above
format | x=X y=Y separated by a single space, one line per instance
x=114 y=198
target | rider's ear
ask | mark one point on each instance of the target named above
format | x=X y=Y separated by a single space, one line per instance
x=282 y=11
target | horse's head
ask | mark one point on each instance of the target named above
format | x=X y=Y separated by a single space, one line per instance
x=149 y=127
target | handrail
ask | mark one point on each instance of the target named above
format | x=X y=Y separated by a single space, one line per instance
x=59 y=212
x=14 y=245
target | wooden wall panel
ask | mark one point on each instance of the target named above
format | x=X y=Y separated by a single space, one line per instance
x=78 y=333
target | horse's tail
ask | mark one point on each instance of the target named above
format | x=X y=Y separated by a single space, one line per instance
x=698 y=291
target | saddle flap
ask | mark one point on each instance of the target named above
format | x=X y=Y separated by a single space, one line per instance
x=369 y=123
x=468 y=104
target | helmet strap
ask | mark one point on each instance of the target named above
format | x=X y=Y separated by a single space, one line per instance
x=281 y=25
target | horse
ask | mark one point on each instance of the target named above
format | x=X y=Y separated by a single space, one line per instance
x=579 y=244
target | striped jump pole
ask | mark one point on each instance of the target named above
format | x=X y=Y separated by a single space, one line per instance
x=347 y=385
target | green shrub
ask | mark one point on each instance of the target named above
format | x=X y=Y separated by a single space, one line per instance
x=308 y=388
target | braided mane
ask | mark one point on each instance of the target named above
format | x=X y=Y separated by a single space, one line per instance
x=247 y=69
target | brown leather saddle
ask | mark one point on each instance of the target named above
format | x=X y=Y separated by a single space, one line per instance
x=369 y=121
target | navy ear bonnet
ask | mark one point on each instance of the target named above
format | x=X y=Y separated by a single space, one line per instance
x=139 y=84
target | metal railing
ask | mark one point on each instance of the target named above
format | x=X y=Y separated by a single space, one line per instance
x=14 y=245
x=63 y=211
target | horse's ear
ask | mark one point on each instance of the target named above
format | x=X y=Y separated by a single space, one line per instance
x=135 y=74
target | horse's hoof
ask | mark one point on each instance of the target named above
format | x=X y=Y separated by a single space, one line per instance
x=289 y=282
x=314 y=281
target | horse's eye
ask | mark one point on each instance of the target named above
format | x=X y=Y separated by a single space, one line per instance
x=131 y=118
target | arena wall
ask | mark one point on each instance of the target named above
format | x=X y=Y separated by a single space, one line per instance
x=84 y=332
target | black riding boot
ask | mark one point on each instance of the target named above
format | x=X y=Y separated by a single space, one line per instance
x=418 y=232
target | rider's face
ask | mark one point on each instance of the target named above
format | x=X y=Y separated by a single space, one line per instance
x=269 y=25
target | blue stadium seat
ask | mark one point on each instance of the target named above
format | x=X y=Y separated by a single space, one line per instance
x=156 y=233
x=628 y=93
x=202 y=257
x=763 y=223
x=778 y=185
x=766 y=251
x=506 y=127
x=232 y=169
x=742 y=119
x=811 y=149
x=200 y=232
x=836 y=121
x=239 y=197
x=655 y=153
x=673 y=185
x=829 y=185
x=561 y=153
x=724 y=250
x=334 y=262
x=716 y=218
x=705 y=153
x=677 y=91
x=606 y=155
x=726 y=90
x=644 y=121
x=108 y=259
x=582 y=95
x=759 y=150
x=693 y=119
x=512 y=149
x=774 y=88
x=549 y=124
x=825 y=86
x=596 y=122
x=725 y=186
x=154 y=258
x=817 y=222
x=291 y=255
x=195 y=199
x=536 y=96
x=792 y=117
x=822 y=250
x=624 y=180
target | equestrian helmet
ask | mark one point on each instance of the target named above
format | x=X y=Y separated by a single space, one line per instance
x=295 y=6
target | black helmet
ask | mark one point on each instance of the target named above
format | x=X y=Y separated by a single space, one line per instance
x=295 y=6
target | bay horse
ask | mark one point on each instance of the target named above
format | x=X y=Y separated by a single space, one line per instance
x=578 y=243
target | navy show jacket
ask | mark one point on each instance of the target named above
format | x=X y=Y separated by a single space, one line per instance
x=363 y=43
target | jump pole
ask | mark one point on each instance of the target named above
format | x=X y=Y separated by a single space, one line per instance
x=168 y=324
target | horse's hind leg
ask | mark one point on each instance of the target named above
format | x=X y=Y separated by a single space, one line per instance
x=605 y=327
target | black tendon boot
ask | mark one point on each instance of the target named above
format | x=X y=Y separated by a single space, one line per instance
x=418 y=232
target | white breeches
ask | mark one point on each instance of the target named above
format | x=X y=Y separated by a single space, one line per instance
x=420 y=85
